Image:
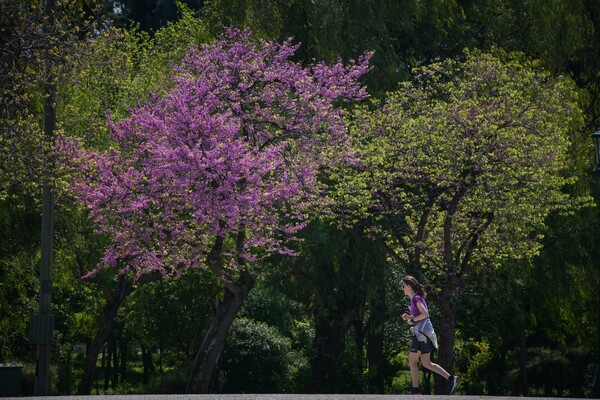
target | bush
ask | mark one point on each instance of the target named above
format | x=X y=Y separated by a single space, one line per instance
x=258 y=359
x=171 y=382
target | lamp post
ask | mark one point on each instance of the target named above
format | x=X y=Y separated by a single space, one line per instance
x=41 y=327
x=596 y=379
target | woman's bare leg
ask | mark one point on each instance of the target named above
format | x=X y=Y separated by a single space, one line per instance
x=426 y=361
x=413 y=359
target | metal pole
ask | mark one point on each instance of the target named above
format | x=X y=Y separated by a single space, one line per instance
x=42 y=376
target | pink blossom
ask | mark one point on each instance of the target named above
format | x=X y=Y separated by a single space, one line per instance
x=234 y=147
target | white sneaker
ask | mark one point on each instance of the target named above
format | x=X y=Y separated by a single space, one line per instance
x=454 y=384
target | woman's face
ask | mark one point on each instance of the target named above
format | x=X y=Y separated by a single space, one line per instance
x=407 y=289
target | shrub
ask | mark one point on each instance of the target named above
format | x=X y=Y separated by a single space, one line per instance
x=258 y=359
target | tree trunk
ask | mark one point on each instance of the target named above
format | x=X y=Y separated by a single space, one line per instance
x=107 y=366
x=42 y=375
x=444 y=302
x=124 y=352
x=110 y=321
x=210 y=351
x=523 y=383
x=114 y=369
x=446 y=337
x=160 y=363
x=328 y=346
x=148 y=365
x=375 y=338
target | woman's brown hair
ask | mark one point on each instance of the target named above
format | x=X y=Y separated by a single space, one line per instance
x=415 y=285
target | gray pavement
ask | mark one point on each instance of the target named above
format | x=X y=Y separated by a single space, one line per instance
x=271 y=397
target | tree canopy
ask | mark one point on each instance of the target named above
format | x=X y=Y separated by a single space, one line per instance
x=460 y=168
x=241 y=134
x=450 y=157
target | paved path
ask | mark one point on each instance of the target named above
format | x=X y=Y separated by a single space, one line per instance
x=272 y=397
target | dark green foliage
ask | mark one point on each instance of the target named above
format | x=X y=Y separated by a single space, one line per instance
x=171 y=382
x=403 y=33
x=278 y=301
x=149 y=14
x=550 y=371
x=19 y=282
x=536 y=319
x=258 y=359
x=341 y=269
x=554 y=299
x=172 y=314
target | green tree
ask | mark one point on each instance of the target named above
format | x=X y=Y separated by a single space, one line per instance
x=564 y=35
x=340 y=271
x=120 y=68
x=461 y=166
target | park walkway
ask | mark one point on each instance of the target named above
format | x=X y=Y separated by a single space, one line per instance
x=274 y=397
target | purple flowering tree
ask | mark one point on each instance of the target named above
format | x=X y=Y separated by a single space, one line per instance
x=220 y=172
